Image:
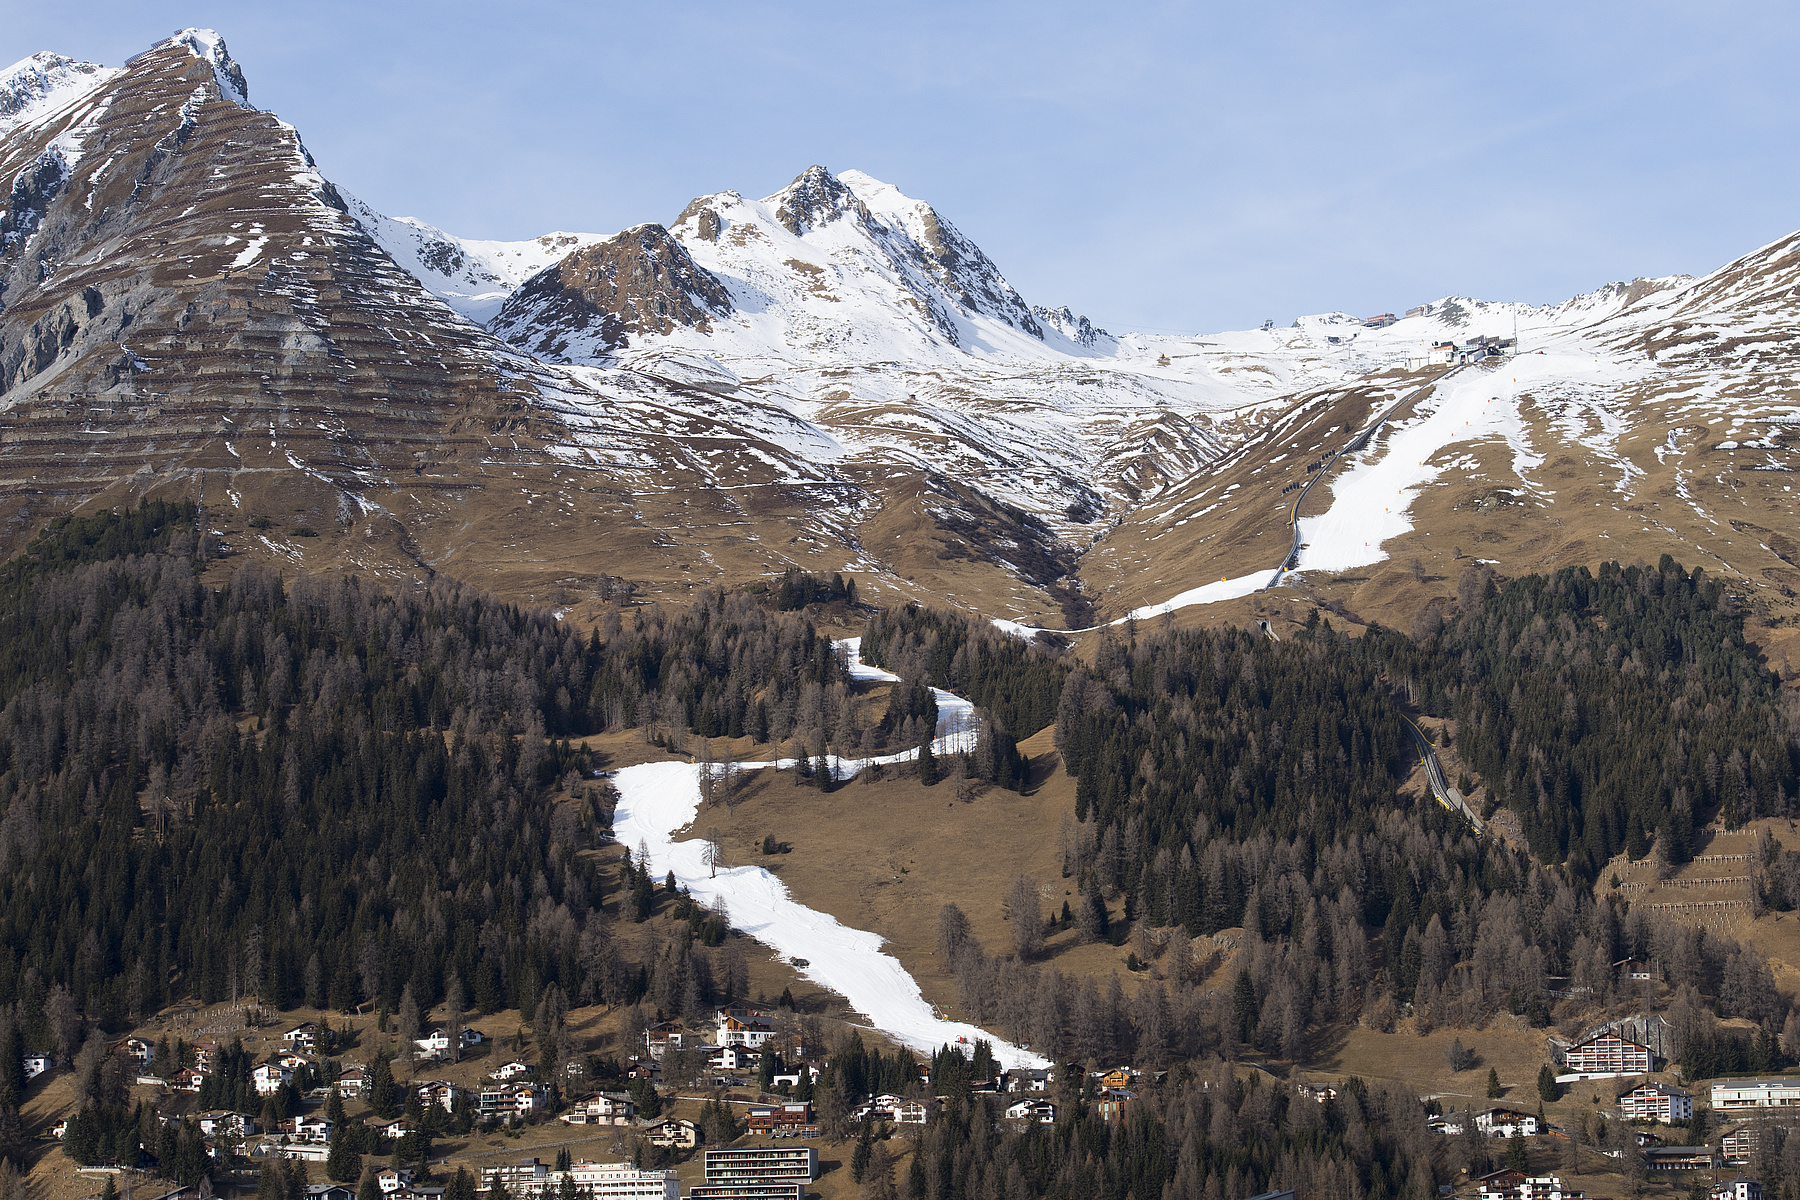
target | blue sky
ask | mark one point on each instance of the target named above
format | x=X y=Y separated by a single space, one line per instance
x=1179 y=167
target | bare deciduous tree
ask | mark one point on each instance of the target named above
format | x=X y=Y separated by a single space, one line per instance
x=1027 y=917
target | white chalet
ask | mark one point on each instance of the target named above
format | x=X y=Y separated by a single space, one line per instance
x=269 y=1078
x=303 y=1036
x=602 y=1108
x=732 y=1058
x=1041 y=1111
x=739 y=1027
x=224 y=1122
x=1505 y=1122
x=310 y=1129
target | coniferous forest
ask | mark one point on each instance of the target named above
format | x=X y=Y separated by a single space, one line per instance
x=327 y=793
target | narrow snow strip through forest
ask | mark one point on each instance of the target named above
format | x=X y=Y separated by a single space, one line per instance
x=658 y=800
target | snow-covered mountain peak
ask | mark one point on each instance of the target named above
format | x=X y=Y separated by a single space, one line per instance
x=36 y=86
x=815 y=198
x=956 y=262
x=594 y=301
x=471 y=275
x=209 y=47
x=1077 y=329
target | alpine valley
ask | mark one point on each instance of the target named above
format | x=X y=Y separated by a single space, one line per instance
x=544 y=660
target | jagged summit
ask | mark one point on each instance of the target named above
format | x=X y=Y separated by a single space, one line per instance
x=1077 y=329
x=815 y=198
x=207 y=45
x=638 y=282
x=833 y=266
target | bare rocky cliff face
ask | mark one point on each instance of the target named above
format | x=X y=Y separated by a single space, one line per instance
x=639 y=281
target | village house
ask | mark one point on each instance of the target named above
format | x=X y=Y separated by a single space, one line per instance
x=1738 y=1144
x=436 y=1042
x=186 y=1080
x=782 y=1119
x=442 y=1093
x=1678 y=1158
x=206 y=1057
x=391 y=1128
x=393 y=1179
x=1041 y=1111
x=914 y=1112
x=329 y=1191
x=510 y=1070
x=1319 y=1093
x=508 y=1099
x=1028 y=1079
x=303 y=1036
x=270 y=1078
x=1633 y=969
x=793 y=1119
x=144 y=1052
x=314 y=1152
x=1608 y=1053
x=352 y=1082
x=673 y=1134
x=602 y=1108
x=309 y=1129
x=792 y=1078
x=1506 y=1122
x=1741 y=1188
x=1113 y=1105
x=292 y=1061
x=1118 y=1077
x=1657 y=1102
x=663 y=1035
x=742 y=1027
x=733 y=1058
x=225 y=1123
x=1516 y=1185
x=36 y=1063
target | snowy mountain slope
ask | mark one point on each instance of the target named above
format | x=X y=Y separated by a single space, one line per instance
x=35 y=87
x=832 y=376
x=191 y=308
x=472 y=276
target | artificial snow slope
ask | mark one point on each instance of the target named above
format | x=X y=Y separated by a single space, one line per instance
x=658 y=800
x=1644 y=419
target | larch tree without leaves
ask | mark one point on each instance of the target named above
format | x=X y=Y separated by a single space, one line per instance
x=1027 y=917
